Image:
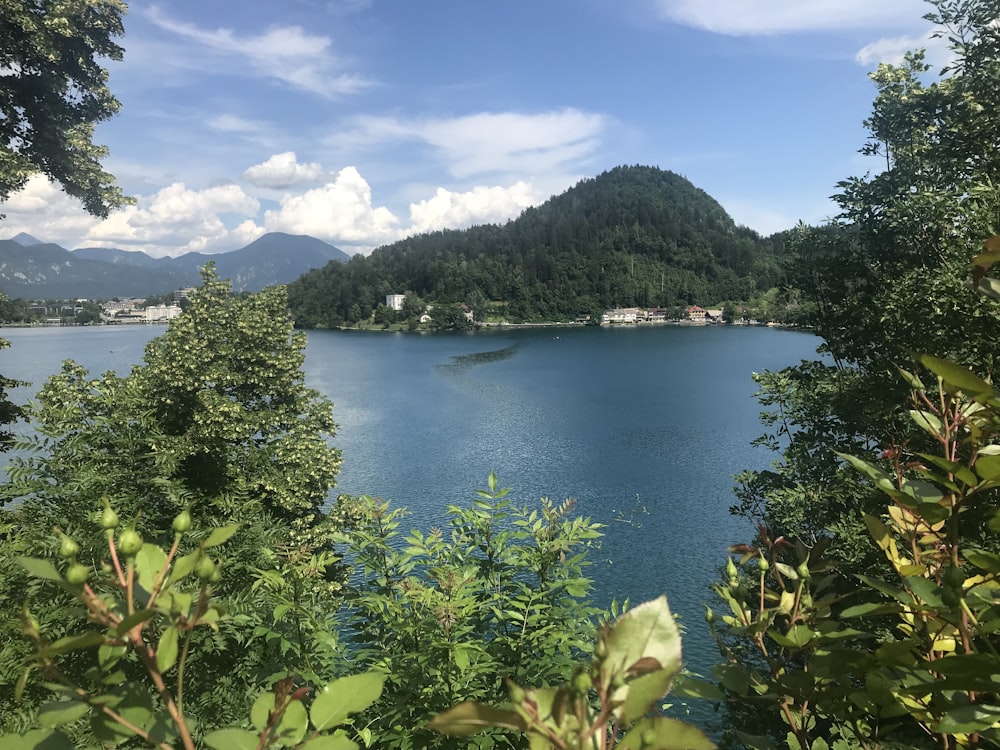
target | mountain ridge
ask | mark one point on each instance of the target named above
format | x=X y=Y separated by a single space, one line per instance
x=48 y=271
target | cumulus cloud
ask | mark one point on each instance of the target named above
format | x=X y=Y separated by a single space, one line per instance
x=750 y=17
x=286 y=53
x=282 y=171
x=43 y=210
x=493 y=141
x=177 y=220
x=340 y=212
x=481 y=205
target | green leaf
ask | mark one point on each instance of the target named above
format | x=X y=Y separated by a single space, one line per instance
x=797 y=637
x=220 y=535
x=132 y=703
x=345 y=696
x=149 y=561
x=927 y=421
x=232 y=739
x=293 y=725
x=974 y=718
x=261 y=709
x=644 y=693
x=166 y=650
x=61 y=712
x=644 y=634
x=72 y=643
x=956 y=375
x=665 y=734
x=137 y=617
x=329 y=742
x=471 y=717
x=988 y=561
x=988 y=467
x=687 y=686
x=184 y=566
x=43 y=569
x=869 y=609
x=36 y=739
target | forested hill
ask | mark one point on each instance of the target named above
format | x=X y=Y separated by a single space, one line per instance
x=633 y=236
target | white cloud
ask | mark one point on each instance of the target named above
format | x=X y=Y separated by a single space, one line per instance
x=287 y=53
x=43 y=210
x=492 y=141
x=749 y=17
x=282 y=171
x=481 y=205
x=340 y=212
x=229 y=123
x=891 y=50
x=177 y=220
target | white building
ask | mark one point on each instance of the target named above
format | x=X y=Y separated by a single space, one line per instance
x=161 y=313
x=394 y=301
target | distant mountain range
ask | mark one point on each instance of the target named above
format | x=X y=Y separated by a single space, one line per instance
x=33 y=269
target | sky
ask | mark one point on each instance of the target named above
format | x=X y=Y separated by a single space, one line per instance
x=361 y=122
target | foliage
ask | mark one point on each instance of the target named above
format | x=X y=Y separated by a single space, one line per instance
x=631 y=236
x=607 y=703
x=55 y=92
x=9 y=411
x=217 y=420
x=143 y=612
x=450 y=614
x=922 y=672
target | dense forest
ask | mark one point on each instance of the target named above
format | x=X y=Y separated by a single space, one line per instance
x=632 y=236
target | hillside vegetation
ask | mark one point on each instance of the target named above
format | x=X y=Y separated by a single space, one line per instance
x=632 y=236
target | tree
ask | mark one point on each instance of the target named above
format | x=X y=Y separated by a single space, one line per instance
x=54 y=93
x=887 y=279
x=216 y=421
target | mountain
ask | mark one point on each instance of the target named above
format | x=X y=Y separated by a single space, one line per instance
x=25 y=239
x=632 y=236
x=47 y=271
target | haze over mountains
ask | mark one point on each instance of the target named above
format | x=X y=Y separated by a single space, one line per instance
x=31 y=268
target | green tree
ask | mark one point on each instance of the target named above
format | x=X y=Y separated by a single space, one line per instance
x=499 y=593
x=888 y=278
x=217 y=420
x=55 y=94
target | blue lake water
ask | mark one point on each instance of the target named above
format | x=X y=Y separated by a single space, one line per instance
x=659 y=418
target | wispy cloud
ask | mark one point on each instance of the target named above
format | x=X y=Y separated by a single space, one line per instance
x=286 y=53
x=757 y=17
x=891 y=50
x=491 y=142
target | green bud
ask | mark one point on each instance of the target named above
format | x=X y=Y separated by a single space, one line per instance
x=763 y=565
x=709 y=615
x=803 y=571
x=648 y=737
x=67 y=547
x=953 y=578
x=517 y=694
x=731 y=568
x=205 y=568
x=216 y=575
x=582 y=683
x=77 y=574
x=109 y=519
x=182 y=522
x=129 y=543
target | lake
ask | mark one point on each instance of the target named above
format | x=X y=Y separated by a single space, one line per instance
x=650 y=423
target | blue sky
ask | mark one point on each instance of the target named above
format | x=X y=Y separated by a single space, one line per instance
x=364 y=121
